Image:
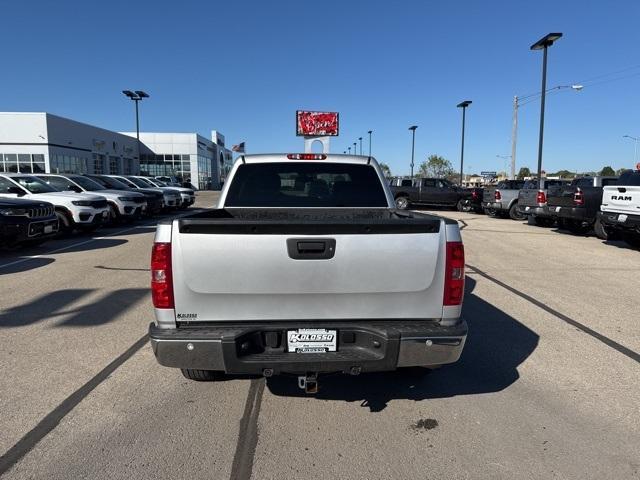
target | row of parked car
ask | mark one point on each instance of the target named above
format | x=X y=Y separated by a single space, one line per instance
x=36 y=207
x=607 y=205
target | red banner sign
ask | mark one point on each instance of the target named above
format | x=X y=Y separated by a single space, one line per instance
x=317 y=124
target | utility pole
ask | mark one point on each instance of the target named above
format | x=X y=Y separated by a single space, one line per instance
x=514 y=137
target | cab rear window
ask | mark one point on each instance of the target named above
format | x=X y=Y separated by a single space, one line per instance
x=630 y=178
x=305 y=184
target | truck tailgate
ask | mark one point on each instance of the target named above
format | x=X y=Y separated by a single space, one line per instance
x=528 y=197
x=246 y=270
x=561 y=196
x=624 y=199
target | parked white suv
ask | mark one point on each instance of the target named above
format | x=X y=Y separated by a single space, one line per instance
x=122 y=205
x=188 y=195
x=74 y=210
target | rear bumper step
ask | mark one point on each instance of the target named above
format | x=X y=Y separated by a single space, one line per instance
x=252 y=348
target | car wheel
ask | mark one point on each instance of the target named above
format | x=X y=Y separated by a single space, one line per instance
x=402 y=203
x=632 y=238
x=514 y=214
x=64 y=223
x=463 y=206
x=578 y=227
x=201 y=375
x=605 y=233
x=491 y=212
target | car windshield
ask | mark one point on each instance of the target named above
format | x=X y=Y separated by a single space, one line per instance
x=86 y=183
x=109 y=182
x=34 y=185
x=300 y=184
x=151 y=182
x=139 y=182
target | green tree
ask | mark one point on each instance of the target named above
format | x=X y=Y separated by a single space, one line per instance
x=565 y=174
x=607 y=171
x=524 y=172
x=386 y=171
x=435 y=166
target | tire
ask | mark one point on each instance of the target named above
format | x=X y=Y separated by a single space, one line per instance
x=402 y=203
x=514 y=214
x=65 y=225
x=577 y=227
x=463 y=206
x=201 y=375
x=605 y=233
x=632 y=239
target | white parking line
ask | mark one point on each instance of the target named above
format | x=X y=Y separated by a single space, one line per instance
x=62 y=249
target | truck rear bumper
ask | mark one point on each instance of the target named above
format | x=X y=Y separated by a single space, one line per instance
x=620 y=220
x=536 y=211
x=367 y=346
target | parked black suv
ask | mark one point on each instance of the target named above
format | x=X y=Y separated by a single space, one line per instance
x=26 y=222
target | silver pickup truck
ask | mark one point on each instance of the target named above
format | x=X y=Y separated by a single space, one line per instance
x=306 y=267
x=502 y=200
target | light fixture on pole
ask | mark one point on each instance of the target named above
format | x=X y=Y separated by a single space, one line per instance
x=136 y=96
x=349 y=148
x=355 y=148
x=413 y=145
x=543 y=44
x=463 y=106
x=360 y=139
x=516 y=106
x=370 y=132
x=635 y=147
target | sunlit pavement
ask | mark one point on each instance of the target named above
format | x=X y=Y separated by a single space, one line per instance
x=547 y=386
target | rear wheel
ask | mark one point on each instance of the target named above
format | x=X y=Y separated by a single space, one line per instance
x=603 y=232
x=402 y=203
x=463 y=205
x=514 y=214
x=201 y=375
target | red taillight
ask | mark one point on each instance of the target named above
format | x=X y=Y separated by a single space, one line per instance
x=541 y=197
x=306 y=156
x=474 y=194
x=161 y=281
x=454 y=274
x=578 y=197
x=497 y=195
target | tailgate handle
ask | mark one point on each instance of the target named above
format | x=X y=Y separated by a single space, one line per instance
x=306 y=249
x=622 y=190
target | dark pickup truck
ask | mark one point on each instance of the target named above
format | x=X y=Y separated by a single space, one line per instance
x=532 y=200
x=429 y=191
x=24 y=222
x=577 y=204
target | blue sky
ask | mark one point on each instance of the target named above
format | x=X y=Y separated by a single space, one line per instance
x=244 y=67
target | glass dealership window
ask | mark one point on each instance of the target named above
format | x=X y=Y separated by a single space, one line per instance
x=11 y=162
x=114 y=165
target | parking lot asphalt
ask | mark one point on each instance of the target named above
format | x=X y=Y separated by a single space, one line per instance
x=547 y=386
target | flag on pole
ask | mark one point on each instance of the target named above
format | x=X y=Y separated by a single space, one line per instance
x=238 y=148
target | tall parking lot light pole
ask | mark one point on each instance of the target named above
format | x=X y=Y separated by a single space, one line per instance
x=355 y=148
x=370 y=132
x=463 y=106
x=360 y=139
x=543 y=44
x=136 y=96
x=635 y=147
x=349 y=148
x=413 y=145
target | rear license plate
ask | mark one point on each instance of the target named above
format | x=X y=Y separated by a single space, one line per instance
x=558 y=209
x=312 y=340
x=48 y=228
x=622 y=218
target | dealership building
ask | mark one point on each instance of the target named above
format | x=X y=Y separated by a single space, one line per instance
x=36 y=142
